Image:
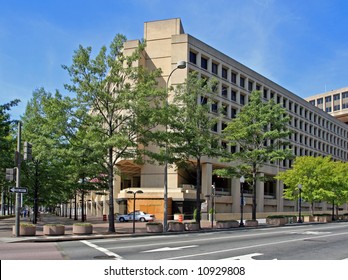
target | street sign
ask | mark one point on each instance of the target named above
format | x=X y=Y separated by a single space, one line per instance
x=18 y=190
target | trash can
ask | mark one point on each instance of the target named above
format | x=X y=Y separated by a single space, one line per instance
x=104 y=217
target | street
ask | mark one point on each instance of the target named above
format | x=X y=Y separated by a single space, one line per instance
x=302 y=242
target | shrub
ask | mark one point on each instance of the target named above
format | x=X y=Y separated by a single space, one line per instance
x=82 y=224
x=27 y=225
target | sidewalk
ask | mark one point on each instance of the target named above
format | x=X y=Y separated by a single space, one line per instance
x=100 y=229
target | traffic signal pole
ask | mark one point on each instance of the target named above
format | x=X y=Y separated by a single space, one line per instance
x=18 y=166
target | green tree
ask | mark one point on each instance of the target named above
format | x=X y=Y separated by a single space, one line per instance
x=260 y=131
x=44 y=175
x=315 y=174
x=119 y=96
x=190 y=128
x=7 y=147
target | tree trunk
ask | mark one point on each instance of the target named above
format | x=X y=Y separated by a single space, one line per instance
x=111 y=191
x=253 y=214
x=36 y=193
x=198 y=192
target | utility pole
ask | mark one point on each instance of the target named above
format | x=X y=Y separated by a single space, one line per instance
x=18 y=166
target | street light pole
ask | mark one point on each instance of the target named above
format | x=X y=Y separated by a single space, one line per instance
x=300 y=204
x=241 y=180
x=179 y=65
x=212 y=204
x=134 y=194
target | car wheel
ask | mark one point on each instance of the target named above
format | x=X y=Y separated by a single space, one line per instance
x=121 y=220
x=142 y=219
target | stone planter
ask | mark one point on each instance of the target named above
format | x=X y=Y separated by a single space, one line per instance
x=276 y=221
x=227 y=224
x=25 y=230
x=251 y=223
x=291 y=219
x=154 y=227
x=191 y=226
x=345 y=217
x=82 y=228
x=51 y=229
x=234 y=224
x=309 y=219
x=175 y=226
x=324 y=219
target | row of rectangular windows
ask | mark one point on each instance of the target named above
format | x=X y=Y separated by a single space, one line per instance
x=329 y=98
x=267 y=94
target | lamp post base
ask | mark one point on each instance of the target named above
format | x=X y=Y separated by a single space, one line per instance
x=241 y=224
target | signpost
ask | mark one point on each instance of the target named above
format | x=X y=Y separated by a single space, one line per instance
x=18 y=190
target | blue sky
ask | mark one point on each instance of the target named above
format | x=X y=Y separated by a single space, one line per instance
x=300 y=44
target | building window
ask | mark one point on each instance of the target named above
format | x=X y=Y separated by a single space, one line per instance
x=233 y=149
x=214 y=68
x=215 y=127
x=250 y=85
x=265 y=93
x=337 y=107
x=233 y=77
x=233 y=113
x=328 y=98
x=336 y=96
x=242 y=99
x=242 y=82
x=344 y=105
x=320 y=101
x=233 y=95
x=193 y=57
x=224 y=73
x=224 y=109
x=204 y=100
x=312 y=102
x=328 y=109
x=214 y=107
x=204 y=63
x=345 y=94
x=224 y=91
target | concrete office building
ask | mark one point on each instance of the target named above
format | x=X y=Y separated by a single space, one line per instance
x=315 y=132
x=334 y=102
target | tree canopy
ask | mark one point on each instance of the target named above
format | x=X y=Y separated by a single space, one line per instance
x=260 y=135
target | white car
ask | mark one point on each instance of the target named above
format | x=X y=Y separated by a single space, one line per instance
x=139 y=216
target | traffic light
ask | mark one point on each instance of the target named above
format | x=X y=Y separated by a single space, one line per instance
x=11 y=174
x=27 y=151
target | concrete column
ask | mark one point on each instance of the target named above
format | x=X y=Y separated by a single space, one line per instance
x=279 y=196
x=260 y=191
x=235 y=192
x=117 y=189
x=207 y=177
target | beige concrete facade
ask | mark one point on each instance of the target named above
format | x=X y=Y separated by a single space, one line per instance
x=314 y=131
x=334 y=102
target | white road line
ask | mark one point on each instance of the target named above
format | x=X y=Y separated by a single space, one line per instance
x=252 y=246
x=101 y=249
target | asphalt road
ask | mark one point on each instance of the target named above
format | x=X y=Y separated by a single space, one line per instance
x=302 y=242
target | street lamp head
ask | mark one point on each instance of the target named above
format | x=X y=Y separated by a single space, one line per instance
x=181 y=64
x=299 y=186
x=136 y=192
x=242 y=179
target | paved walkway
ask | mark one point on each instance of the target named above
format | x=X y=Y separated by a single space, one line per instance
x=100 y=229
